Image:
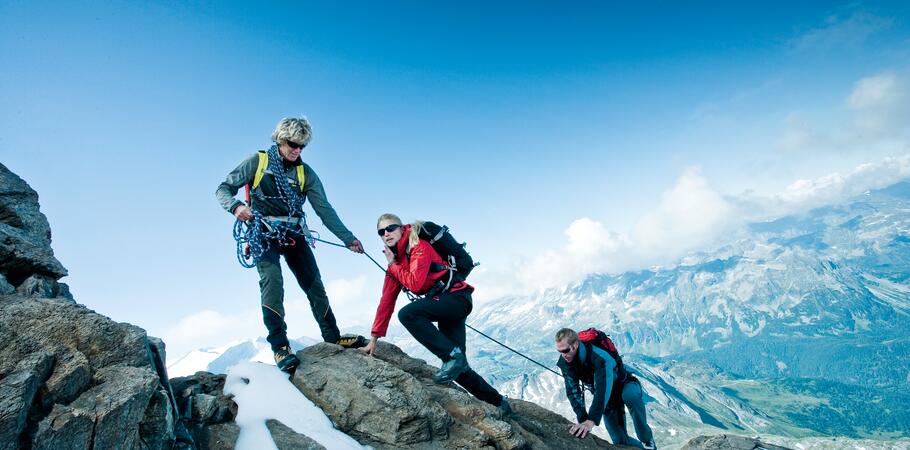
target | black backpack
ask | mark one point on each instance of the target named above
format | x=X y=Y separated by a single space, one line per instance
x=448 y=248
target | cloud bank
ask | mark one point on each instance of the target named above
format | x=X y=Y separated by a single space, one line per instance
x=692 y=215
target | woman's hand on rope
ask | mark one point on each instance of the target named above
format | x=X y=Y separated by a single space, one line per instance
x=356 y=246
x=243 y=213
x=388 y=254
x=370 y=347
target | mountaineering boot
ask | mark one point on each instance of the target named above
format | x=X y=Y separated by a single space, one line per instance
x=352 y=341
x=285 y=360
x=505 y=409
x=649 y=445
x=451 y=369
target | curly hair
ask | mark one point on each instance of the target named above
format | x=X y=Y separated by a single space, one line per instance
x=294 y=130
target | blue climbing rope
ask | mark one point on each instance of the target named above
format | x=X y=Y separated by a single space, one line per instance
x=255 y=236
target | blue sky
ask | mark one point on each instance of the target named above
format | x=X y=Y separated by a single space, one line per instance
x=556 y=139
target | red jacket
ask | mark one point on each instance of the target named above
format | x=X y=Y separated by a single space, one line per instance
x=410 y=270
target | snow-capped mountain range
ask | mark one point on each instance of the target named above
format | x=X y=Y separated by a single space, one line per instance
x=794 y=327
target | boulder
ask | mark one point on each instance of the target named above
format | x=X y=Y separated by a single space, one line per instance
x=115 y=404
x=219 y=436
x=17 y=392
x=25 y=235
x=84 y=380
x=208 y=413
x=728 y=442
x=5 y=287
x=43 y=286
x=65 y=428
x=156 y=429
x=391 y=402
x=287 y=439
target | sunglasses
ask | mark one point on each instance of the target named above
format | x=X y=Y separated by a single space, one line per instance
x=294 y=145
x=388 y=229
x=564 y=350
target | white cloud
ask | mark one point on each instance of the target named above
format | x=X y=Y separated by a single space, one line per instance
x=880 y=105
x=692 y=215
x=840 y=32
x=344 y=292
x=874 y=91
x=877 y=116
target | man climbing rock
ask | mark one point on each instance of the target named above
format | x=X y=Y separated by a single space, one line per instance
x=278 y=183
x=614 y=388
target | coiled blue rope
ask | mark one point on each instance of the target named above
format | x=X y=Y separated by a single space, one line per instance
x=254 y=237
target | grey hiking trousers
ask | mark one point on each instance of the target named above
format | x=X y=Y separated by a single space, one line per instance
x=302 y=263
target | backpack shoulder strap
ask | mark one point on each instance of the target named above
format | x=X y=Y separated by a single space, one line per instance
x=260 y=169
x=442 y=232
x=301 y=178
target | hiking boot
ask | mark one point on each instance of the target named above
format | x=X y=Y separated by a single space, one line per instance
x=352 y=341
x=505 y=409
x=285 y=360
x=451 y=369
x=649 y=445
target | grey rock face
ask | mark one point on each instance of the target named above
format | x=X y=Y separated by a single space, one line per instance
x=92 y=388
x=5 y=287
x=25 y=234
x=209 y=414
x=30 y=325
x=17 y=392
x=156 y=429
x=219 y=436
x=42 y=286
x=728 y=442
x=116 y=404
x=65 y=428
x=287 y=439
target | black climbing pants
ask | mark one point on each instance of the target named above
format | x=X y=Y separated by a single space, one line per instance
x=449 y=310
x=300 y=260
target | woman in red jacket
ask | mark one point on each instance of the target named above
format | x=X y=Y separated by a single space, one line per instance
x=415 y=265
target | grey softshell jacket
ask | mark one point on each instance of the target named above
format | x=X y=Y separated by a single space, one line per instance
x=312 y=190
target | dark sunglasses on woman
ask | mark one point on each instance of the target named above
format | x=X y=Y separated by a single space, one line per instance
x=389 y=229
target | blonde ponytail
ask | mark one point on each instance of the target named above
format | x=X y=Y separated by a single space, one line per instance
x=414 y=238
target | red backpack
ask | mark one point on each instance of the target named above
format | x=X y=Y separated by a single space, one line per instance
x=600 y=339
